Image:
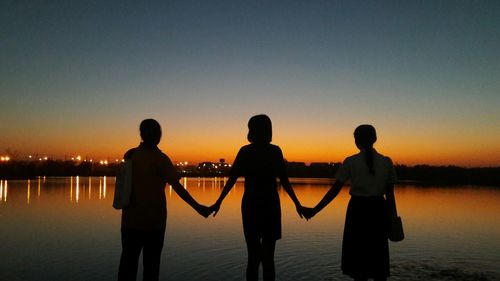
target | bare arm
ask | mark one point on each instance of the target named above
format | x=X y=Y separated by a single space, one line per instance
x=285 y=182
x=184 y=195
x=229 y=185
x=329 y=196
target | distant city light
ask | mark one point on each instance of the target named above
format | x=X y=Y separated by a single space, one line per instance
x=217 y=167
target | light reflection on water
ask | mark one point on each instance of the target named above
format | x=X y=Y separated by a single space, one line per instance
x=66 y=229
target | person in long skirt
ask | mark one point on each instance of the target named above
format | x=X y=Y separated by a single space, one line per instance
x=365 y=249
x=261 y=163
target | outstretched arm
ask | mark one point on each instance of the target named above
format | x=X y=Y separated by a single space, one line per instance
x=329 y=196
x=229 y=185
x=285 y=182
x=184 y=194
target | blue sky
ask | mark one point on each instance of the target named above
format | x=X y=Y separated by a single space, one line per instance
x=425 y=73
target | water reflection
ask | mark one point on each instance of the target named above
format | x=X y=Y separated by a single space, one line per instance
x=77 y=188
x=215 y=183
x=446 y=228
x=104 y=187
x=90 y=187
x=3 y=190
x=29 y=191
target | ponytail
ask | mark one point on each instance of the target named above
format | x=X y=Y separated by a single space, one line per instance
x=365 y=136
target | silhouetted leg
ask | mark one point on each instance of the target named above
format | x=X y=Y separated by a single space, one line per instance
x=380 y=279
x=360 y=279
x=268 y=247
x=254 y=249
x=153 y=246
x=131 y=250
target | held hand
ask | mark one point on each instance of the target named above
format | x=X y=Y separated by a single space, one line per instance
x=215 y=208
x=298 y=207
x=308 y=212
x=204 y=211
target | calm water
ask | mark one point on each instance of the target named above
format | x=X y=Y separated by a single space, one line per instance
x=65 y=229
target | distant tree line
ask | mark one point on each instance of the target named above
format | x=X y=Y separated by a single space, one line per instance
x=449 y=175
x=419 y=174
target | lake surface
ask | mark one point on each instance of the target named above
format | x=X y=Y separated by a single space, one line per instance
x=65 y=229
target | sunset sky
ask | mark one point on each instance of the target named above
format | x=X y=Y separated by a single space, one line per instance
x=77 y=77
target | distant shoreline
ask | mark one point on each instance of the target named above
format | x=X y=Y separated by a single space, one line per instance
x=421 y=175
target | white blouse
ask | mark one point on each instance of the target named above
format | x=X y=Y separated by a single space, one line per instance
x=362 y=182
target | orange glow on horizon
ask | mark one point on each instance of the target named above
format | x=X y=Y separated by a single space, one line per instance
x=302 y=144
x=310 y=152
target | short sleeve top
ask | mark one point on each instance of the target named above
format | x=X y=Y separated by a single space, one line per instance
x=151 y=170
x=363 y=183
x=261 y=165
x=259 y=160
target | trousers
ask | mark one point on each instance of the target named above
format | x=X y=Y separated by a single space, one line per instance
x=135 y=241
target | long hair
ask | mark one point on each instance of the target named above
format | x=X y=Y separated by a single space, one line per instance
x=260 y=129
x=365 y=136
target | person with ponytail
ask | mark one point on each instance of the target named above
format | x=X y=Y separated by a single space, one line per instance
x=365 y=249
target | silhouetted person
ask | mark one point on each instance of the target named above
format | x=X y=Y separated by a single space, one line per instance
x=261 y=163
x=144 y=220
x=365 y=250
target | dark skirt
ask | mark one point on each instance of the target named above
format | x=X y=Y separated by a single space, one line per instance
x=261 y=218
x=365 y=248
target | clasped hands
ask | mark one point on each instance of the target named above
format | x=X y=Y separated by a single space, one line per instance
x=307 y=212
x=206 y=211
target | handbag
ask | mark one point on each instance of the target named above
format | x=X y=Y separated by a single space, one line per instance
x=123 y=185
x=396 y=233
